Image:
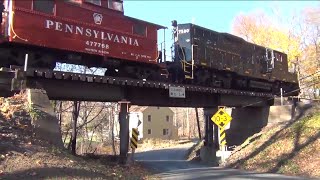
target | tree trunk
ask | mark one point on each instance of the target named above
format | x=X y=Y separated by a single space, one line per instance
x=112 y=131
x=188 y=123
x=198 y=123
x=183 y=120
x=60 y=113
x=75 y=115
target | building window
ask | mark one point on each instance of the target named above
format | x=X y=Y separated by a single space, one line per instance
x=167 y=118
x=96 y=2
x=139 y=29
x=45 y=6
x=149 y=118
x=149 y=131
x=165 y=132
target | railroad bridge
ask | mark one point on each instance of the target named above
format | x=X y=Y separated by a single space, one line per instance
x=249 y=107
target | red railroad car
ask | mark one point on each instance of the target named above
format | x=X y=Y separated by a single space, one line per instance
x=88 y=32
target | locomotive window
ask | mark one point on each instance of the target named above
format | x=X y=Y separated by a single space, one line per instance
x=139 y=29
x=115 y=5
x=279 y=57
x=96 y=2
x=46 y=6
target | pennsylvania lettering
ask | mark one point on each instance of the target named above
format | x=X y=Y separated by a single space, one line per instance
x=73 y=29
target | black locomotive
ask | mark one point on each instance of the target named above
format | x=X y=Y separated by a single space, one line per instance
x=210 y=58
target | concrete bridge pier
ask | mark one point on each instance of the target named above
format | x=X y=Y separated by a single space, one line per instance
x=245 y=123
x=124 y=131
x=45 y=124
x=211 y=144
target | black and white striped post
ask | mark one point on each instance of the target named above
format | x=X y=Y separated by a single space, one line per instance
x=134 y=142
x=134 y=138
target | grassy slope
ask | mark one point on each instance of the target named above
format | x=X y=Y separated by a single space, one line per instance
x=291 y=149
x=22 y=156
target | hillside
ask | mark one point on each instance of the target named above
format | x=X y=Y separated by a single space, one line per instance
x=22 y=156
x=291 y=148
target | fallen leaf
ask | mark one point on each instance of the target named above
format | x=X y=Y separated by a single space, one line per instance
x=38 y=162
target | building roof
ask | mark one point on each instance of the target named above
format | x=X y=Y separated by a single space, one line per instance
x=135 y=108
x=146 y=22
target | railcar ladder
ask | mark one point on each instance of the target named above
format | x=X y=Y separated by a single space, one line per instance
x=188 y=67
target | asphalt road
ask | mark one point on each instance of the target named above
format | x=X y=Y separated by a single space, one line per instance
x=170 y=164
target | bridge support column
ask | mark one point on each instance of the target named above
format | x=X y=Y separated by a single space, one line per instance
x=208 y=141
x=46 y=125
x=124 y=131
x=208 y=151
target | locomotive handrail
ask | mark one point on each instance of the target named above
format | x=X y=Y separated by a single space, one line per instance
x=192 y=59
x=12 y=29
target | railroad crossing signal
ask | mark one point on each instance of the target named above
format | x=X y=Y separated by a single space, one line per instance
x=134 y=138
x=221 y=118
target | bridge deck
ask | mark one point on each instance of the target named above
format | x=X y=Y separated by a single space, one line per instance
x=77 y=86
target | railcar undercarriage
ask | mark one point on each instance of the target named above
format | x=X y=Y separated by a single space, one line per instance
x=169 y=72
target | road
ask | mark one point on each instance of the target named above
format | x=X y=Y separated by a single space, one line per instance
x=169 y=163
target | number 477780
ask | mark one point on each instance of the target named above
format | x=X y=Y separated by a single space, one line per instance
x=97 y=44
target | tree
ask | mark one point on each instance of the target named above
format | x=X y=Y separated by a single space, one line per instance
x=256 y=27
x=310 y=61
x=75 y=115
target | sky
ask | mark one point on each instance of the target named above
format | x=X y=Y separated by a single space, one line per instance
x=215 y=15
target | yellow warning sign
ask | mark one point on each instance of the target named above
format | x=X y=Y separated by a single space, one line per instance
x=221 y=118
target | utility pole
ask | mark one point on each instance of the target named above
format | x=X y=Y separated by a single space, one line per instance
x=198 y=123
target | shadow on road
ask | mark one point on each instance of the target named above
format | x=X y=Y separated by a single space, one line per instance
x=220 y=173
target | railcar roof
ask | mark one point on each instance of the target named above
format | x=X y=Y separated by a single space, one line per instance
x=146 y=22
x=228 y=34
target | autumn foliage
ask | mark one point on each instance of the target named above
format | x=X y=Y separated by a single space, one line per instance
x=298 y=37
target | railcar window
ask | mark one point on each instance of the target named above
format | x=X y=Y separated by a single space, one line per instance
x=115 y=5
x=73 y=1
x=46 y=6
x=96 y=2
x=139 y=29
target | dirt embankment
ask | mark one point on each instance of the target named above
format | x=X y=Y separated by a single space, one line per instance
x=291 y=148
x=22 y=156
